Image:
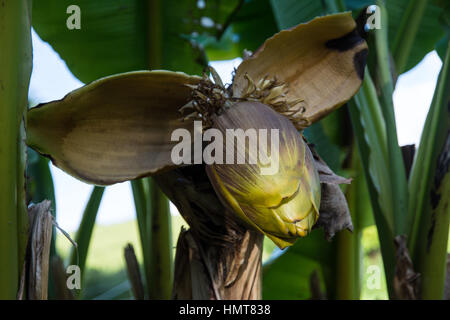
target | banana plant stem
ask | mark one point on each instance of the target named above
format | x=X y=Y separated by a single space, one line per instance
x=15 y=71
x=430 y=182
x=396 y=167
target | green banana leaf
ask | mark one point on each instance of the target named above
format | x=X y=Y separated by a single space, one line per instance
x=287 y=276
x=120 y=36
x=289 y=13
x=429 y=31
x=249 y=27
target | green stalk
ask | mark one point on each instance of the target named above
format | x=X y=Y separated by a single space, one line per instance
x=43 y=188
x=349 y=253
x=153 y=216
x=396 y=167
x=348 y=272
x=84 y=233
x=24 y=79
x=15 y=71
x=141 y=202
x=363 y=111
x=160 y=245
x=406 y=34
x=430 y=186
x=431 y=260
x=371 y=133
x=349 y=258
x=430 y=143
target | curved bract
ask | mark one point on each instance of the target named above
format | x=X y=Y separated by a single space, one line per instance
x=114 y=129
x=320 y=62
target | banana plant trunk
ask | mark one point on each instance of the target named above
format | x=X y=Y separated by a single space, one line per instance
x=15 y=71
x=217 y=258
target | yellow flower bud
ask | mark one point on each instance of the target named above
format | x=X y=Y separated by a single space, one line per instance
x=284 y=205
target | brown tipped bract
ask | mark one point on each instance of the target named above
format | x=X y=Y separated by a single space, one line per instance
x=315 y=68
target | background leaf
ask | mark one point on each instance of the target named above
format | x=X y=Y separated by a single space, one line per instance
x=428 y=34
x=430 y=30
x=289 y=13
x=252 y=24
x=109 y=41
x=115 y=35
x=287 y=276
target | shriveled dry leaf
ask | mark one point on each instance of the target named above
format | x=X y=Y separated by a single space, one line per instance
x=38 y=259
x=321 y=62
x=134 y=274
x=182 y=284
x=243 y=281
x=334 y=214
x=406 y=280
x=235 y=276
x=114 y=129
x=217 y=258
